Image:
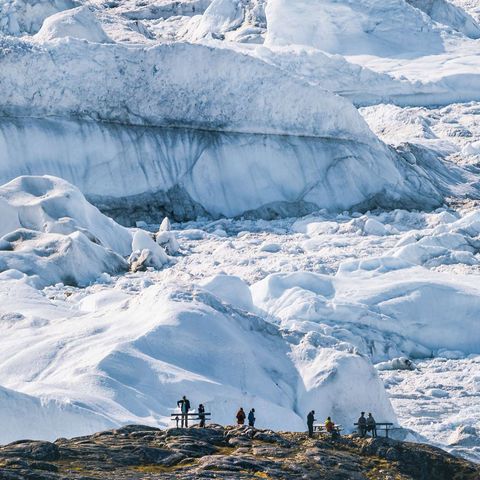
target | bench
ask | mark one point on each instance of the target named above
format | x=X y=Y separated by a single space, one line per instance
x=320 y=428
x=177 y=417
x=385 y=426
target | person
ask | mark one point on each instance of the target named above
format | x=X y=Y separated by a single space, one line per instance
x=201 y=415
x=362 y=425
x=329 y=426
x=240 y=416
x=184 y=405
x=251 y=418
x=371 y=425
x=310 y=420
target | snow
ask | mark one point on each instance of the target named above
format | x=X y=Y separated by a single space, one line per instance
x=268 y=111
x=374 y=227
x=220 y=17
x=449 y=420
x=230 y=289
x=18 y=17
x=51 y=233
x=24 y=416
x=53 y=205
x=221 y=106
x=174 y=341
x=166 y=238
x=402 y=301
x=432 y=63
x=447 y=13
x=77 y=23
x=206 y=96
x=271 y=247
x=229 y=324
x=401 y=363
x=143 y=241
x=350 y=28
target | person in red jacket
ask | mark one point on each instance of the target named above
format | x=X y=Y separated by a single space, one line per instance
x=241 y=416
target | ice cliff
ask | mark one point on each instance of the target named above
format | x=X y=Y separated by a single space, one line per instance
x=187 y=129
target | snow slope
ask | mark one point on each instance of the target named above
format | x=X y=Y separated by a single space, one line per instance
x=378 y=294
x=175 y=85
x=18 y=17
x=448 y=13
x=75 y=23
x=371 y=27
x=327 y=296
x=50 y=232
x=24 y=416
x=129 y=356
x=392 y=38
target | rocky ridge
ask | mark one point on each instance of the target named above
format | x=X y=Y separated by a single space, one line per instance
x=140 y=452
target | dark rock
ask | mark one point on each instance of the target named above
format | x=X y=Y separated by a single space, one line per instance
x=138 y=452
x=31 y=449
x=44 y=466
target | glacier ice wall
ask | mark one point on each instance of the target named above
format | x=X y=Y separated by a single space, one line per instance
x=190 y=130
x=145 y=172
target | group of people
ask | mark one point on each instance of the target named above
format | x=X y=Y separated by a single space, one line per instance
x=241 y=417
x=184 y=405
x=329 y=425
x=366 y=424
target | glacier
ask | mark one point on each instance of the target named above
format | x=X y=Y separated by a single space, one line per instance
x=319 y=162
x=121 y=107
x=186 y=172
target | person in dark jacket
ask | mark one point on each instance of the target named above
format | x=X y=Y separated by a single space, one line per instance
x=241 y=417
x=310 y=421
x=201 y=415
x=362 y=425
x=184 y=405
x=371 y=425
x=251 y=418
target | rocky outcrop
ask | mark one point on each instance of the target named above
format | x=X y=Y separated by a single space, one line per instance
x=140 y=452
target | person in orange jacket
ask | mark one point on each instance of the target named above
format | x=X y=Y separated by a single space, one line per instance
x=241 y=416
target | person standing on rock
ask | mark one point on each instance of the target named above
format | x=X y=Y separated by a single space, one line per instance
x=184 y=405
x=371 y=425
x=362 y=425
x=329 y=426
x=310 y=421
x=241 y=416
x=201 y=415
x=251 y=418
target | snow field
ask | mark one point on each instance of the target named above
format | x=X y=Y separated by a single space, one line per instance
x=129 y=358
x=439 y=400
x=224 y=326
